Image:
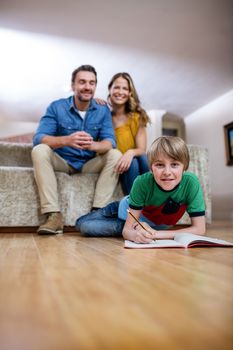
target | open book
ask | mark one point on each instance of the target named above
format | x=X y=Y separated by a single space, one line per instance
x=182 y=240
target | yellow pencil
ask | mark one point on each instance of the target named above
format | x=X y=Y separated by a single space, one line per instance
x=136 y=219
x=138 y=222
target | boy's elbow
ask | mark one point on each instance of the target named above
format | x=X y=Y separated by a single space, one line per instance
x=202 y=230
x=199 y=225
x=124 y=233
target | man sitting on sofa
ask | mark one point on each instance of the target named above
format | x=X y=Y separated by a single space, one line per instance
x=74 y=135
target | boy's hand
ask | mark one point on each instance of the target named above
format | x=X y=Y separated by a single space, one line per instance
x=145 y=235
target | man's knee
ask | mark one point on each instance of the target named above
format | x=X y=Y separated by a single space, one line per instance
x=114 y=155
x=40 y=151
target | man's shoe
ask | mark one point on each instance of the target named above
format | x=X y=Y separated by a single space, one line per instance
x=53 y=225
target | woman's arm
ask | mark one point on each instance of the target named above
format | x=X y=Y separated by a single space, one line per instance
x=141 y=142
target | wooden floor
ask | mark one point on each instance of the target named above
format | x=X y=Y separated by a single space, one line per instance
x=68 y=292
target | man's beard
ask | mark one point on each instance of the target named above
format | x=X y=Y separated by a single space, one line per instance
x=85 y=99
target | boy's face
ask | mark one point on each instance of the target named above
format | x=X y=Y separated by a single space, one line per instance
x=167 y=172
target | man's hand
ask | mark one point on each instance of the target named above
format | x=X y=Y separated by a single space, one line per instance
x=80 y=139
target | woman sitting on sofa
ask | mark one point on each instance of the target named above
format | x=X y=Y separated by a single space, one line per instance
x=129 y=122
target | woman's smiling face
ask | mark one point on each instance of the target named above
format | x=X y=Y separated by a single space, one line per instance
x=119 y=91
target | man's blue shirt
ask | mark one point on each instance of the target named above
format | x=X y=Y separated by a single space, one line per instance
x=62 y=118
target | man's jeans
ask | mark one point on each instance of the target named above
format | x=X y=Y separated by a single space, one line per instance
x=138 y=166
x=103 y=222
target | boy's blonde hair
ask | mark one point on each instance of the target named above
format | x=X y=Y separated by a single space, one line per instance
x=170 y=146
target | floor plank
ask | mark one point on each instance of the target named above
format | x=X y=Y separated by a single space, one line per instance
x=71 y=292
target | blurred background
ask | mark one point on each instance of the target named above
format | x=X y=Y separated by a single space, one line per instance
x=179 y=53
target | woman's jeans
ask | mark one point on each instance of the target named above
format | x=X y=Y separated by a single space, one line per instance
x=138 y=166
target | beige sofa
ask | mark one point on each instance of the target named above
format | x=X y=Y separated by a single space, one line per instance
x=19 y=202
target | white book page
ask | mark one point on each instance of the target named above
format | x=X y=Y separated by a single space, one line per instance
x=160 y=243
x=186 y=238
x=181 y=240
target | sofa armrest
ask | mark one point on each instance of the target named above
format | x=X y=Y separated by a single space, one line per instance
x=199 y=164
x=15 y=154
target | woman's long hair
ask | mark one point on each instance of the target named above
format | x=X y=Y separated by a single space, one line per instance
x=133 y=103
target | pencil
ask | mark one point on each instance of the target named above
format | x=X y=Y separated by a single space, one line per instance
x=135 y=219
x=138 y=221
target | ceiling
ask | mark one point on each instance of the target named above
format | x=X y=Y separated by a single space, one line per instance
x=179 y=52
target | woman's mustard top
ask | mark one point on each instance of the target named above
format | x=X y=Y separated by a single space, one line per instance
x=125 y=134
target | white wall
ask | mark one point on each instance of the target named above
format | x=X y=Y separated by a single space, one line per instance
x=8 y=129
x=14 y=128
x=154 y=130
x=205 y=127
